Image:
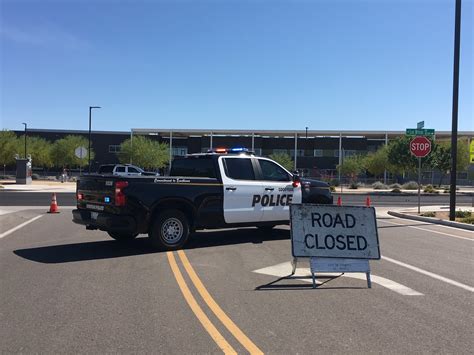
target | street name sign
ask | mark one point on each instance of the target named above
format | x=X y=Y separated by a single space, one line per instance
x=420 y=132
x=420 y=147
x=329 y=231
x=420 y=125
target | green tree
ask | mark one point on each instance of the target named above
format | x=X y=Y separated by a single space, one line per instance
x=440 y=157
x=144 y=152
x=352 y=166
x=9 y=146
x=284 y=160
x=63 y=151
x=40 y=151
x=399 y=155
x=376 y=163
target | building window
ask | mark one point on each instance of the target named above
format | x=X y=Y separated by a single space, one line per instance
x=300 y=152
x=258 y=151
x=114 y=148
x=180 y=151
x=318 y=152
x=280 y=151
x=336 y=153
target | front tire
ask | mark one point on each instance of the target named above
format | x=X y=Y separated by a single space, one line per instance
x=170 y=230
x=122 y=237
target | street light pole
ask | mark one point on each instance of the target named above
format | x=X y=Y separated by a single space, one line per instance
x=306 y=132
x=26 y=130
x=454 y=127
x=90 y=121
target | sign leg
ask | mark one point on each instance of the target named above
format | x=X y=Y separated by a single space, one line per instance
x=369 y=282
x=314 y=279
x=294 y=262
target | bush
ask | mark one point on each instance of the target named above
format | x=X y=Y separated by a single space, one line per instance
x=411 y=185
x=332 y=188
x=396 y=190
x=469 y=220
x=354 y=185
x=35 y=177
x=430 y=189
x=379 y=186
x=334 y=182
x=395 y=186
x=462 y=214
x=428 y=214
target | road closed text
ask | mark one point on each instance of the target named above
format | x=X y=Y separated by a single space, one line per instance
x=333 y=231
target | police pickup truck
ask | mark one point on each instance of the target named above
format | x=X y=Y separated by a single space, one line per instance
x=219 y=189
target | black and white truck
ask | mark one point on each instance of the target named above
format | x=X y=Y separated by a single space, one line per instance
x=220 y=189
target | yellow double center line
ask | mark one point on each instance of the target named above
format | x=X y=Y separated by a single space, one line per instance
x=220 y=314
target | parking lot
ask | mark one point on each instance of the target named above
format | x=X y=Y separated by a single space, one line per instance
x=65 y=289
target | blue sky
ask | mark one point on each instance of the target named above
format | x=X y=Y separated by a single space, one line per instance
x=326 y=65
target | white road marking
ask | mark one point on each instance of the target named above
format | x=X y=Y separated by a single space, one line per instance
x=431 y=231
x=8 y=232
x=430 y=274
x=284 y=269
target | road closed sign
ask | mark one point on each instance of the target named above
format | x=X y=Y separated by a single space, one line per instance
x=334 y=231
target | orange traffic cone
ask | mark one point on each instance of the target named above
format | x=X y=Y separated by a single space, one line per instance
x=339 y=201
x=53 y=208
x=367 y=201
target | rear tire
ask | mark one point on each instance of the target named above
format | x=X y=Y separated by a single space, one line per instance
x=122 y=237
x=170 y=231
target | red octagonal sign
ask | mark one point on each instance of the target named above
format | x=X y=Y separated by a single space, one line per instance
x=420 y=147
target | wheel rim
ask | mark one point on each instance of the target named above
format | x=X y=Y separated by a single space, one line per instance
x=172 y=230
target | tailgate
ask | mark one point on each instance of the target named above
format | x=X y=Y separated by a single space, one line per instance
x=97 y=193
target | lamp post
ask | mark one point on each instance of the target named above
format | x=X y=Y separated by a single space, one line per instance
x=26 y=130
x=90 y=119
x=306 y=132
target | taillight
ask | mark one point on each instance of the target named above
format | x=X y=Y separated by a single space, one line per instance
x=120 y=198
x=80 y=197
x=296 y=183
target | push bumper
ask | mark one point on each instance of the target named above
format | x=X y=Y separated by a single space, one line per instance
x=104 y=221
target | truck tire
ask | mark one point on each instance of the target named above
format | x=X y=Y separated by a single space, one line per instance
x=170 y=231
x=122 y=237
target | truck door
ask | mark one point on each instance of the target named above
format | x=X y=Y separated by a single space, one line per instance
x=278 y=191
x=240 y=190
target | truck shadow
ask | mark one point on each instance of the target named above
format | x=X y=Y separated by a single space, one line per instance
x=108 y=249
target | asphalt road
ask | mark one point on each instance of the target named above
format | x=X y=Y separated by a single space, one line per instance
x=66 y=290
x=14 y=198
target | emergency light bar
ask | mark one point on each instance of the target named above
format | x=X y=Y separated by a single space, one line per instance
x=229 y=150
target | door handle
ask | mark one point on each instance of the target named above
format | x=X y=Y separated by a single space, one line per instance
x=269 y=188
x=231 y=188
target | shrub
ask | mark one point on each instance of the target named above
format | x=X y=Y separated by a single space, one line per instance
x=469 y=220
x=428 y=214
x=395 y=186
x=396 y=190
x=411 y=185
x=332 y=188
x=379 y=186
x=462 y=214
x=334 y=182
x=35 y=177
x=430 y=189
x=354 y=185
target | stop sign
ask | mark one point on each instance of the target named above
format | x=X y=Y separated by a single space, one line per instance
x=420 y=147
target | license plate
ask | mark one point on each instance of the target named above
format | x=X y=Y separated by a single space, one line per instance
x=95 y=207
x=94 y=215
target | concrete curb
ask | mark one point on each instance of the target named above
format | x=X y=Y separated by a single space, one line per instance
x=432 y=220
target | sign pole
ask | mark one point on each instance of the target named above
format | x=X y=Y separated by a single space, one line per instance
x=419 y=183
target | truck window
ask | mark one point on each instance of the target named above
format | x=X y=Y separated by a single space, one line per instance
x=120 y=169
x=132 y=170
x=239 y=168
x=106 y=169
x=193 y=167
x=273 y=172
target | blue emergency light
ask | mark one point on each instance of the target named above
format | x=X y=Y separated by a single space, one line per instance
x=107 y=199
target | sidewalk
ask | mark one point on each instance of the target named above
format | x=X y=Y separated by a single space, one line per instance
x=412 y=213
x=38 y=186
x=462 y=190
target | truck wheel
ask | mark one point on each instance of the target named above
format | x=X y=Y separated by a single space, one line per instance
x=122 y=236
x=170 y=230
